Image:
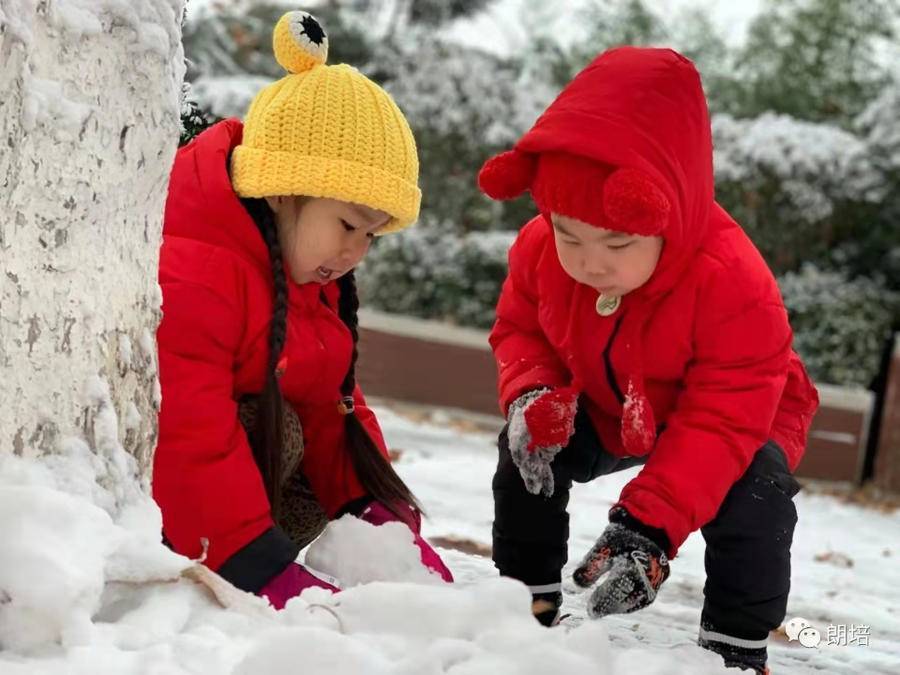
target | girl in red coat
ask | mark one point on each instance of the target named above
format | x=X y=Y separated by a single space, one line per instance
x=264 y=224
x=639 y=325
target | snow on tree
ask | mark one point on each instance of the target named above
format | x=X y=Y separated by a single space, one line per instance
x=819 y=60
x=881 y=125
x=433 y=272
x=229 y=48
x=785 y=180
x=840 y=324
x=90 y=123
x=227 y=96
x=193 y=119
x=463 y=104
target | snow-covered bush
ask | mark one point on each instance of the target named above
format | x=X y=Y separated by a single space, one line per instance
x=463 y=105
x=876 y=246
x=193 y=119
x=435 y=273
x=880 y=124
x=791 y=183
x=840 y=324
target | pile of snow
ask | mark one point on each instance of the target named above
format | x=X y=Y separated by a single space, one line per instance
x=86 y=591
x=356 y=552
x=60 y=550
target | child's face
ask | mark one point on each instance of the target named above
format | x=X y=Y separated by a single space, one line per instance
x=612 y=262
x=323 y=239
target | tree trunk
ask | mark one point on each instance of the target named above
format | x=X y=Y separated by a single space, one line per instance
x=89 y=124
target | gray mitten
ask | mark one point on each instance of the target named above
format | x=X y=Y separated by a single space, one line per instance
x=540 y=424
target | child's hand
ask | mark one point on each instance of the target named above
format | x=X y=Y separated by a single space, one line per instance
x=540 y=425
x=636 y=568
x=550 y=418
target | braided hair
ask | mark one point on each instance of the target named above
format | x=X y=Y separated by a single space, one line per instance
x=268 y=436
x=373 y=470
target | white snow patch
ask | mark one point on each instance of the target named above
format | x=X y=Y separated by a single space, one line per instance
x=148 y=349
x=126 y=352
x=345 y=551
x=84 y=592
x=132 y=416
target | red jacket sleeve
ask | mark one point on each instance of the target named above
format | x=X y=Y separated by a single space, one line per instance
x=723 y=415
x=525 y=359
x=205 y=479
x=326 y=457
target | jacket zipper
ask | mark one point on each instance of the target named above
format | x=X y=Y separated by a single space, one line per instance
x=607 y=360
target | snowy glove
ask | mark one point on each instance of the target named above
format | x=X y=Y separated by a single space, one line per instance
x=540 y=424
x=635 y=565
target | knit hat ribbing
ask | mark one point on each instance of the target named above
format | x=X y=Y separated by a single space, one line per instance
x=326 y=131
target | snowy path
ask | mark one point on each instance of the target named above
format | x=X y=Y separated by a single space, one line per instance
x=451 y=472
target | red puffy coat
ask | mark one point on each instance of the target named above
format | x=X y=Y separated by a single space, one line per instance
x=213 y=349
x=706 y=339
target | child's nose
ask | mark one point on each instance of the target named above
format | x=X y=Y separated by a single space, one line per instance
x=596 y=264
x=355 y=250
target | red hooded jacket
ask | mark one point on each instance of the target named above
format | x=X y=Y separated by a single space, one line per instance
x=218 y=295
x=706 y=339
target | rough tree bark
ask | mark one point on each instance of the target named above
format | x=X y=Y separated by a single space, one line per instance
x=89 y=124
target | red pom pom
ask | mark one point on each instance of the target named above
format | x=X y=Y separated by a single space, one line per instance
x=507 y=175
x=633 y=203
x=551 y=418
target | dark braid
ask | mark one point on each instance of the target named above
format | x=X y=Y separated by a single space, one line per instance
x=374 y=472
x=268 y=437
x=348 y=310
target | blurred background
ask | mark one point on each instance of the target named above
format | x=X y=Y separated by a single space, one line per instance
x=806 y=116
x=805 y=103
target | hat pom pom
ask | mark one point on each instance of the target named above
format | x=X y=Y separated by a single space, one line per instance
x=507 y=175
x=632 y=202
x=300 y=42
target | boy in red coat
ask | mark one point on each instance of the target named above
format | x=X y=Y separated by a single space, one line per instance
x=639 y=325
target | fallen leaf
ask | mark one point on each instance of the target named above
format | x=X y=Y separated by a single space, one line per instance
x=468 y=546
x=834 y=558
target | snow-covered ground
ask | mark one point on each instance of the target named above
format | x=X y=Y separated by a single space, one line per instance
x=856 y=580
x=83 y=593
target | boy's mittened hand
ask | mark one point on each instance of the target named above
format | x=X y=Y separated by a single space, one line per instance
x=551 y=418
x=635 y=567
x=534 y=459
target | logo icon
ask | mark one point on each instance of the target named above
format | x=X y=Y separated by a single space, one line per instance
x=809 y=637
x=794 y=626
x=801 y=630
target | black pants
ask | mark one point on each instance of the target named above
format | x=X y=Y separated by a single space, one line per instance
x=748 y=543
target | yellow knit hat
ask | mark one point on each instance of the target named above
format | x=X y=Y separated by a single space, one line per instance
x=326 y=131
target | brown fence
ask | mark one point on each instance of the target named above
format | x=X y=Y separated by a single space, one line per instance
x=432 y=363
x=887 y=457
